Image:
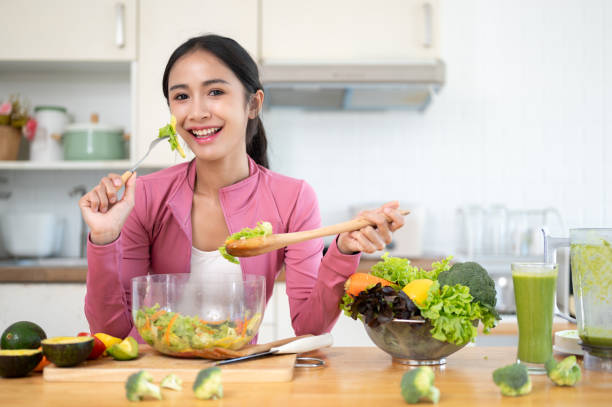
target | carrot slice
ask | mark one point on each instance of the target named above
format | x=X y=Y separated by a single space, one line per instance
x=158 y=314
x=358 y=282
x=244 y=326
x=169 y=328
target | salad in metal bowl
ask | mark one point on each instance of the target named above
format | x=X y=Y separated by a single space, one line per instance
x=418 y=314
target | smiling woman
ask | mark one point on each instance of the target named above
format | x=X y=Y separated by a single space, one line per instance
x=167 y=220
x=213 y=89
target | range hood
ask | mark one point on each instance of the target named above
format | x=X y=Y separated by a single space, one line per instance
x=352 y=86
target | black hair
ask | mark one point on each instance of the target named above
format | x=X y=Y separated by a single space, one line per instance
x=236 y=58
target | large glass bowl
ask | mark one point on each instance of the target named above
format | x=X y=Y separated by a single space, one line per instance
x=410 y=342
x=187 y=315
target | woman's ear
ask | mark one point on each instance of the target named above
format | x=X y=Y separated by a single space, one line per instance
x=256 y=103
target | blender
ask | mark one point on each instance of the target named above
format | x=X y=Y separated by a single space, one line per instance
x=591 y=265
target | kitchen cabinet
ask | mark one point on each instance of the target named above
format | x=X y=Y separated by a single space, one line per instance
x=349 y=31
x=69 y=30
x=163 y=26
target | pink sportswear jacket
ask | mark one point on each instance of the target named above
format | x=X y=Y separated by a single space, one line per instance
x=156 y=239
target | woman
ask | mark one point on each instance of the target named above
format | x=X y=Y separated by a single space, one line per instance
x=173 y=221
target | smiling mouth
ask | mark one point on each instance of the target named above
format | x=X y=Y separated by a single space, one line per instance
x=204 y=133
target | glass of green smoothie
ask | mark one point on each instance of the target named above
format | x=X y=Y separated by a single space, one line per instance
x=535 y=285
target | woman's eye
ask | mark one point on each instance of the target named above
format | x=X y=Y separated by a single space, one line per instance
x=180 y=96
x=216 y=92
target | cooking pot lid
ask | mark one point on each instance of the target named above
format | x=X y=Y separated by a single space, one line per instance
x=60 y=109
x=87 y=127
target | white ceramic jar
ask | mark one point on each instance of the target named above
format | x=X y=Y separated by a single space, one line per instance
x=47 y=143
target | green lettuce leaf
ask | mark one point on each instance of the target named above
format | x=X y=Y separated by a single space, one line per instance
x=453 y=315
x=169 y=131
x=400 y=272
x=228 y=256
x=262 y=229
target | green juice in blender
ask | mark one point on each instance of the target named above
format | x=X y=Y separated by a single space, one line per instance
x=534 y=293
x=592 y=279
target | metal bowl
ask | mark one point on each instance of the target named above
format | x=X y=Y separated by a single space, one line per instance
x=410 y=342
x=187 y=314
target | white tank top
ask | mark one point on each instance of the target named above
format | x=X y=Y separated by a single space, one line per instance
x=206 y=263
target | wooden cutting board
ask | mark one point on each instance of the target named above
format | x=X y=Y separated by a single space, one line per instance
x=266 y=369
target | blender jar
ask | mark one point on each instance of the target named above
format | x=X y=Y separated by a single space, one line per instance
x=591 y=261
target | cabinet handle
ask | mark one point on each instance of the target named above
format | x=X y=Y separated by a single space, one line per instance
x=428 y=26
x=120 y=25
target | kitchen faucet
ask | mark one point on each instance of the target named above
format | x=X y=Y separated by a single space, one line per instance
x=79 y=191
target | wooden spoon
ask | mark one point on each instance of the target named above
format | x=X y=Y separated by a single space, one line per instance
x=263 y=244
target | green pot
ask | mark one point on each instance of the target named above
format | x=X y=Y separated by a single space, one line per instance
x=93 y=141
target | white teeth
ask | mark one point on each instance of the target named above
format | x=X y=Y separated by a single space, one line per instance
x=205 y=132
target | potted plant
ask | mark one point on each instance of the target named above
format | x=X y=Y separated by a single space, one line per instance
x=14 y=121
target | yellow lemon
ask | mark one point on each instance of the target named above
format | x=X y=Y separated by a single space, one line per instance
x=416 y=290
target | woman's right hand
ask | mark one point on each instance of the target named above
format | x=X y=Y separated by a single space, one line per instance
x=102 y=212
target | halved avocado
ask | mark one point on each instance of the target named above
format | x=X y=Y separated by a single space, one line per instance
x=18 y=362
x=66 y=351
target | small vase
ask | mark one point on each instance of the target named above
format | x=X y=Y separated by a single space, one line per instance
x=10 y=138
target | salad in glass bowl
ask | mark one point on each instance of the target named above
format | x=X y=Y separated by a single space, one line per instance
x=181 y=315
x=421 y=316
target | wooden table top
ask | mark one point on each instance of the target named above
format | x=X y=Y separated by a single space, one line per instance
x=353 y=377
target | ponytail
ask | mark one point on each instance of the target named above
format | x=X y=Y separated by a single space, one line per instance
x=256 y=141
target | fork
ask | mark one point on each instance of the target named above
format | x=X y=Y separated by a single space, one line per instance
x=126 y=175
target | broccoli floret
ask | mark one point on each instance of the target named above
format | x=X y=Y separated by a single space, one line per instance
x=513 y=380
x=564 y=373
x=140 y=385
x=173 y=382
x=418 y=384
x=473 y=275
x=208 y=384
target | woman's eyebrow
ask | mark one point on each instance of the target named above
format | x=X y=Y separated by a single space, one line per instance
x=205 y=83
x=213 y=81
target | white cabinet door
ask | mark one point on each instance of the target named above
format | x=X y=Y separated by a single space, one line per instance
x=349 y=30
x=57 y=308
x=67 y=30
x=164 y=25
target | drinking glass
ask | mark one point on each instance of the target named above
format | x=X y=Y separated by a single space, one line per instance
x=534 y=293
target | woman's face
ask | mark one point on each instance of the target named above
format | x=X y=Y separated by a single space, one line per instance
x=210 y=106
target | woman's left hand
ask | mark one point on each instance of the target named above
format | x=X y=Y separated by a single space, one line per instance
x=372 y=238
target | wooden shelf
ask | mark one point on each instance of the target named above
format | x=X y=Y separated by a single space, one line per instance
x=64 y=165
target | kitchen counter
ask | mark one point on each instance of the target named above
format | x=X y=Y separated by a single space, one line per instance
x=353 y=377
x=75 y=270
x=47 y=270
